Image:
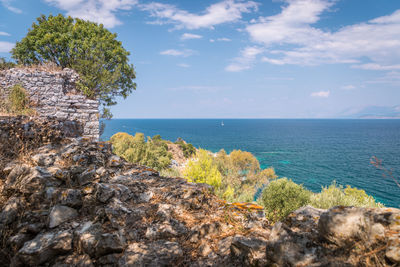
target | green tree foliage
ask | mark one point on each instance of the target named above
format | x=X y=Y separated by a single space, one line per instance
x=153 y=152
x=203 y=170
x=282 y=196
x=87 y=47
x=336 y=195
x=241 y=175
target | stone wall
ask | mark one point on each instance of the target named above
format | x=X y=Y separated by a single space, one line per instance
x=54 y=94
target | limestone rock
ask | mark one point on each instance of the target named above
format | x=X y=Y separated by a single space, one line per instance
x=44 y=247
x=249 y=251
x=60 y=214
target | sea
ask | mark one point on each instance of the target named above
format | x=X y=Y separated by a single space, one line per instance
x=312 y=152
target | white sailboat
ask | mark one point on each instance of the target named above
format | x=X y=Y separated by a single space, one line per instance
x=222 y=123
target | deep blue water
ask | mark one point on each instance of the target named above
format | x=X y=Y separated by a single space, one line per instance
x=309 y=151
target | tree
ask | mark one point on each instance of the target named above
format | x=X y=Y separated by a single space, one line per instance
x=87 y=47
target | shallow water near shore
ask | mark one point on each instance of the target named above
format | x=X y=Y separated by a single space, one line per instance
x=313 y=152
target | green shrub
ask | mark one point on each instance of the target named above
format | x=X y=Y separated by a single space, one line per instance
x=336 y=195
x=203 y=170
x=153 y=152
x=283 y=196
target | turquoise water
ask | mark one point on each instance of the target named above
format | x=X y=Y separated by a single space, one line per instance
x=311 y=152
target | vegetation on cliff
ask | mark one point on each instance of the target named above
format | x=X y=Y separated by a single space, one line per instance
x=237 y=177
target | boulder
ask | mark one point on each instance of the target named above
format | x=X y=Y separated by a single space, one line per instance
x=249 y=251
x=43 y=248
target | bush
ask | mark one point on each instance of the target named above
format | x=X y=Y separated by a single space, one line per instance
x=153 y=152
x=283 y=196
x=203 y=170
x=336 y=195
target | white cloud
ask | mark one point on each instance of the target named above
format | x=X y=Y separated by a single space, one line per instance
x=375 y=66
x=223 y=39
x=290 y=38
x=187 y=36
x=7 y=4
x=183 y=65
x=349 y=87
x=100 y=11
x=6 y=47
x=245 y=60
x=322 y=94
x=222 y=12
x=4 y=34
x=174 y=52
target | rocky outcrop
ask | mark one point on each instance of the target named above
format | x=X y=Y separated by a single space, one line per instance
x=54 y=94
x=340 y=236
x=71 y=202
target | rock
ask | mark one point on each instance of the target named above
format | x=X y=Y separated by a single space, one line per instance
x=44 y=247
x=106 y=191
x=29 y=180
x=44 y=159
x=76 y=261
x=95 y=243
x=120 y=216
x=87 y=176
x=158 y=253
x=145 y=197
x=10 y=210
x=343 y=225
x=70 y=197
x=60 y=214
x=18 y=240
x=171 y=228
x=393 y=254
x=249 y=251
x=306 y=218
x=114 y=161
x=108 y=243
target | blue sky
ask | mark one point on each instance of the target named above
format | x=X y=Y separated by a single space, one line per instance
x=242 y=59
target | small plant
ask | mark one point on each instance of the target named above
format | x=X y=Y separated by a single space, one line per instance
x=283 y=196
x=17 y=102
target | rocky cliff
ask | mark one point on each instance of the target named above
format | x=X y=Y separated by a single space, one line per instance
x=68 y=201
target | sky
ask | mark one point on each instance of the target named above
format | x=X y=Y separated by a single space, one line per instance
x=239 y=58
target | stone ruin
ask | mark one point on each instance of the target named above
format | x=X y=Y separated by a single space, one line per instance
x=54 y=94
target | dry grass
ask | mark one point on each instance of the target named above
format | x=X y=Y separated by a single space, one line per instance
x=48 y=67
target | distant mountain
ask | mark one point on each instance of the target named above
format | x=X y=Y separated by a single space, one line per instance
x=372 y=112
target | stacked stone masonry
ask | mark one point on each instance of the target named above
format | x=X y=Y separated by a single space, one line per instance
x=54 y=94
